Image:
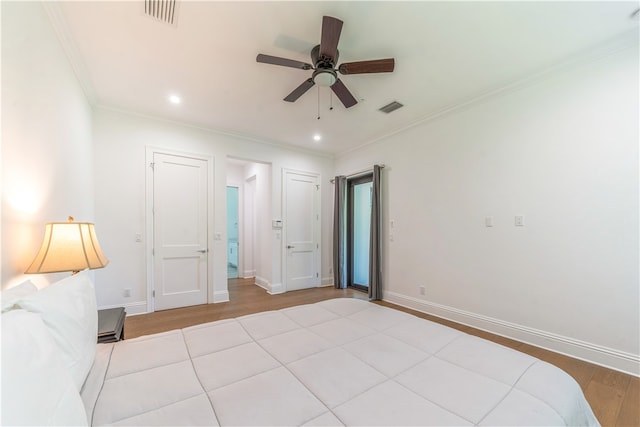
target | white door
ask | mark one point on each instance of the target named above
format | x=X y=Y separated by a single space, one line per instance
x=301 y=228
x=180 y=231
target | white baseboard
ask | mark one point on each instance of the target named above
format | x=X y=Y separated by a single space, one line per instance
x=220 y=296
x=132 y=308
x=326 y=281
x=589 y=352
x=271 y=288
x=276 y=288
x=248 y=273
x=263 y=283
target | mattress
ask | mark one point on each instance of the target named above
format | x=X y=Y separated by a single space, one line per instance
x=337 y=362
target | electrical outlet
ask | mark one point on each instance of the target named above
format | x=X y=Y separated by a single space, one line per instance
x=422 y=290
x=126 y=293
x=519 y=220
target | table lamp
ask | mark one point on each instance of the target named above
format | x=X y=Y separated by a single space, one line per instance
x=68 y=246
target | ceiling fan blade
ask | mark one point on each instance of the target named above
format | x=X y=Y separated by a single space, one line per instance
x=343 y=94
x=274 y=60
x=373 y=66
x=300 y=90
x=331 y=28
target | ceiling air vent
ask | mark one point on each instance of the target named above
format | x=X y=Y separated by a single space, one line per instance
x=162 y=10
x=393 y=106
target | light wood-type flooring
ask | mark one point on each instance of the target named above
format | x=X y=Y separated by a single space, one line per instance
x=613 y=396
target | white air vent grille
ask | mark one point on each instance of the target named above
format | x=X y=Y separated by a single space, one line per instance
x=162 y=10
x=393 y=106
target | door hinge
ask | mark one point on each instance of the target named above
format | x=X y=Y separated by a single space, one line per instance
x=317 y=187
x=317 y=275
x=317 y=245
x=152 y=165
x=153 y=293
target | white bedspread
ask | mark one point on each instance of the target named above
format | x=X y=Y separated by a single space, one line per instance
x=337 y=362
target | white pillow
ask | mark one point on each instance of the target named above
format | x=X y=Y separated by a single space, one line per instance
x=68 y=308
x=37 y=389
x=9 y=296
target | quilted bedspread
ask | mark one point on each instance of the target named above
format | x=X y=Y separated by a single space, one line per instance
x=338 y=362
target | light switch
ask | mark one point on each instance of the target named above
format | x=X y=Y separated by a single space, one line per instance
x=217 y=236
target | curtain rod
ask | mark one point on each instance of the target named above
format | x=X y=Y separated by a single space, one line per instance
x=360 y=172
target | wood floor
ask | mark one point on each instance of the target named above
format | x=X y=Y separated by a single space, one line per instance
x=613 y=396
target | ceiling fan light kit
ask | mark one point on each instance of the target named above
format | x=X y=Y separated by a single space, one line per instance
x=324 y=58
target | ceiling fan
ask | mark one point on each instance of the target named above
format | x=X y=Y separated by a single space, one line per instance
x=324 y=58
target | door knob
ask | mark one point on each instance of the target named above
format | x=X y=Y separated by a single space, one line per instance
x=290 y=247
x=203 y=251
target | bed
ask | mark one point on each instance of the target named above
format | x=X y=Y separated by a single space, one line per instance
x=338 y=362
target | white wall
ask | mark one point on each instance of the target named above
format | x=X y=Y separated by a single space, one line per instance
x=46 y=139
x=120 y=141
x=563 y=152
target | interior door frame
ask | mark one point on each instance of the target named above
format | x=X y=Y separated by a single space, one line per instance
x=150 y=151
x=351 y=183
x=316 y=230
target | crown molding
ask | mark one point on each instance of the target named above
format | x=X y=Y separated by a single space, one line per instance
x=59 y=24
x=599 y=52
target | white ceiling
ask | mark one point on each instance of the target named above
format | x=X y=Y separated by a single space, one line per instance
x=446 y=53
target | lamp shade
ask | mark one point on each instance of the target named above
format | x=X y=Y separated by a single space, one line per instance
x=68 y=246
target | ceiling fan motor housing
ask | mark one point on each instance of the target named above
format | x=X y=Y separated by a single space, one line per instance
x=323 y=62
x=324 y=74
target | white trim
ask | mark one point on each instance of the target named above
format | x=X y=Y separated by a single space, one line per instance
x=221 y=296
x=61 y=28
x=222 y=132
x=263 y=283
x=589 y=352
x=326 y=281
x=601 y=51
x=276 y=289
x=150 y=150
x=131 y=309
x=271 y=289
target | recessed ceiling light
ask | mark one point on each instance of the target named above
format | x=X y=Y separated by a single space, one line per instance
x=317 y=137
x=174 y=99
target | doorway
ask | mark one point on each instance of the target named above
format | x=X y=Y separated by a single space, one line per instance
x=359 y=201
x=248 y=192
x=233 y=235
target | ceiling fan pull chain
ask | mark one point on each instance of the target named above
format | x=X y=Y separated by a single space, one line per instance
x=330 y=101
x=318 y=102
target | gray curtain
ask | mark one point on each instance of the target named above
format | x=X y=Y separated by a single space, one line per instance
x=375 y=258
x=340 y=232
